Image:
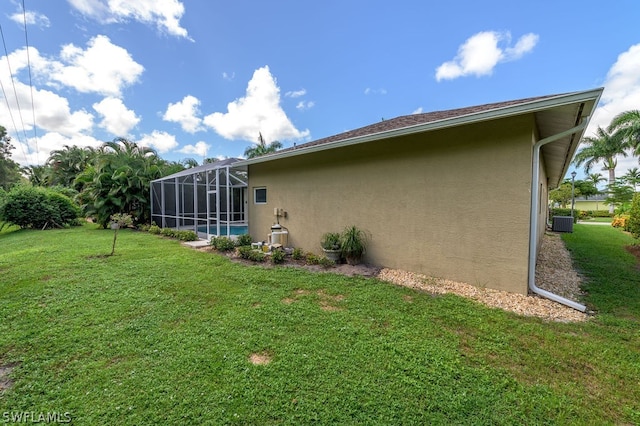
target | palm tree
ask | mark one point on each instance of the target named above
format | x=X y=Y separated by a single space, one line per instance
x=262 y=148
x=38 y=175
x=69 y=162
x=627 y=124
x=119 y=181
x=632 y=177
x=595 y=179
x=604 y=146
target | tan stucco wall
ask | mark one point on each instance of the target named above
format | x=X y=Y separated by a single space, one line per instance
x=452 y=203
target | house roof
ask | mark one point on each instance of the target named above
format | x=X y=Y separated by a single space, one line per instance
x=203 y=168
x=554 y=114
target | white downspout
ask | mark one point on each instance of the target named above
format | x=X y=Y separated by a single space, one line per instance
x=535 y=205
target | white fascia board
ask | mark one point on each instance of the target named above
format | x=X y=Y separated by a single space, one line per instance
x=502 y=112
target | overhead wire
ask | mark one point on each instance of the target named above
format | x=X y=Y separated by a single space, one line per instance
x=33 y=108
x=15 y=92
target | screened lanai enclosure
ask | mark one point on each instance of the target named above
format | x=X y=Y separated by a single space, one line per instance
x=210 y=199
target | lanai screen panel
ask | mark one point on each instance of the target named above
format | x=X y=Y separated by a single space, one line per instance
x=208 y=199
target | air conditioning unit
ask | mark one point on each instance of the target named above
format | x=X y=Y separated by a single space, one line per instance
x=562 y=224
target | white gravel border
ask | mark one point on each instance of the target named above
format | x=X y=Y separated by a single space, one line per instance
x=554 y=272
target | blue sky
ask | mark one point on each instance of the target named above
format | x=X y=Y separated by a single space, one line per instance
x=200 y=78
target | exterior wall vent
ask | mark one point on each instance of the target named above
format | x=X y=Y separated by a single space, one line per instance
x=562 y=224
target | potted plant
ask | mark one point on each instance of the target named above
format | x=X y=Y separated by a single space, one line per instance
x=353 y=243
x=331 y=246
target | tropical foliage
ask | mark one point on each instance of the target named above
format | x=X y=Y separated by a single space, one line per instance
x=9 y=169
x=119 y=181
x=262 y=148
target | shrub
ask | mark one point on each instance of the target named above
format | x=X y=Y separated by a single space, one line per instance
x=243 y=251
x=186 y=235
x=633 y=223
x=620 y=221
x=167 y=232
x=37 y=207
x=298 y=254
x=244 y=240
x=246 y=252
x=222 y=243
x=312 y=259
x=277 y=256
x=155 y=229
x=326 y=262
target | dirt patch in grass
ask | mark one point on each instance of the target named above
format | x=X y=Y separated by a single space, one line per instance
x=635 y=251
x=260 y=358
x=326 y=301
x=5 y=371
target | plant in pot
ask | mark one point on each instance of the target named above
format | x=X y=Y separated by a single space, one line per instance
x=353 y=243
x=330 y=244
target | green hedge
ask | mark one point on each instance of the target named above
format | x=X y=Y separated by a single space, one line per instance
x=38 y=207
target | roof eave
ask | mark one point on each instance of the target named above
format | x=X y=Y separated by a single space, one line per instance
x=507 y=111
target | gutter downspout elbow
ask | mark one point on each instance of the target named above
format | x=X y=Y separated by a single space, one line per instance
x=533 y=228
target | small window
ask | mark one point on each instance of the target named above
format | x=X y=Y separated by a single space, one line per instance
x=260 y=195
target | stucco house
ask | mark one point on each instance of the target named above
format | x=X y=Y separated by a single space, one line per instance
x=459 y=194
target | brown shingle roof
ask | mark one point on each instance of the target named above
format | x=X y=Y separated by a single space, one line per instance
x=415 y=119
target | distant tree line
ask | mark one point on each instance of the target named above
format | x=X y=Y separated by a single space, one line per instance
x=112 y=179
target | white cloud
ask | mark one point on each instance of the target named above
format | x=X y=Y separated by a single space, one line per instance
x=418 y=111
x=164 y=14
x=31 y=18
x=621 y=89
x=161 y=141
x=304 y=105
x=102 y=68
x=370 y=91
x=185 y=112
x=200 y=148
x=259 y=111
x=117 y=118
x=481 y=53
x=296 y=93
x=228 y=77
x=621 y=93
x=52 y=111
x=45 y=144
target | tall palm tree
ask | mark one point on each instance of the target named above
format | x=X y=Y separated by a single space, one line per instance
x=627 y=124
x=603 y=147
x=262 y=148
x=595 y=179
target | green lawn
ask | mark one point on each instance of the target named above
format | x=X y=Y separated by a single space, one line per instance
x=162 y=334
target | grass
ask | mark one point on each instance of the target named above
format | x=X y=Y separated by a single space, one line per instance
x=162 y=334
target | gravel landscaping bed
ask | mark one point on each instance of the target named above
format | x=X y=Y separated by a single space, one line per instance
x=554 y=272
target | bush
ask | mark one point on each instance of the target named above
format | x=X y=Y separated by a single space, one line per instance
x=277 y=256
x=244 y=240
x=312 y=259
x=246 y=252
x=155 y=229
x=37 y=207
x=222 y=243
x=633 y=223
x=621 y=221
x=297 y=254
x=167 y=232
x=185 y=235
